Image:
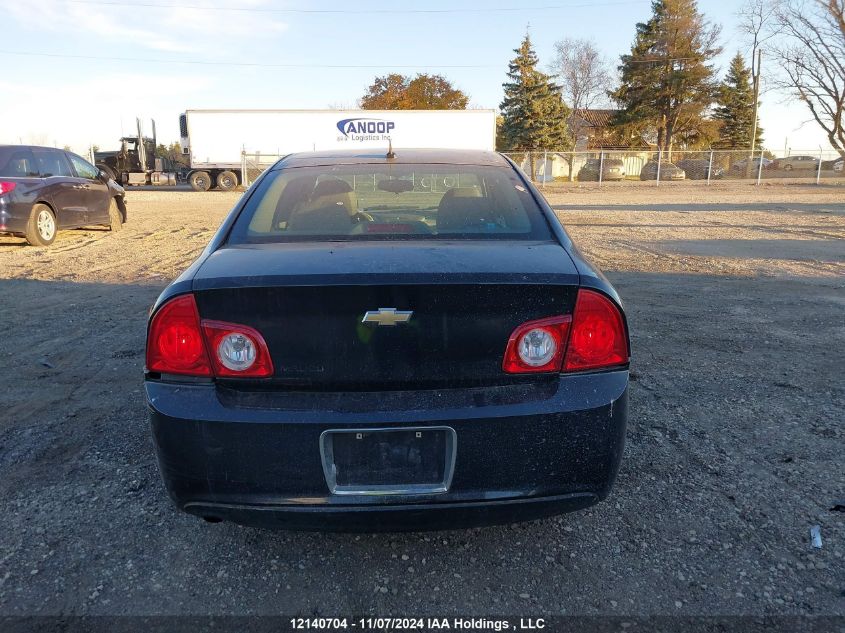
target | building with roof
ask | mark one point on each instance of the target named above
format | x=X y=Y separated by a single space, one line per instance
x=594 y=130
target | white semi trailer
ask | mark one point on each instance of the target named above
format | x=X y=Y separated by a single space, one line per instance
x=217 y=140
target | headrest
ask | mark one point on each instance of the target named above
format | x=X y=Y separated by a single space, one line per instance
x=456 y=214
x=333 y=192
x=331 y=187
x=463 y=192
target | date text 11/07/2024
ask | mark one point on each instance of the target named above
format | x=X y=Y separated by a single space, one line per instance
x=416 y=624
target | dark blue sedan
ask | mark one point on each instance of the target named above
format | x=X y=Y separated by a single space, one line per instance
x=43 y=190
x=375 y=341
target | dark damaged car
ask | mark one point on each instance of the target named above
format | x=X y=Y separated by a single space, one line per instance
x=44 y=190
x=380 y=342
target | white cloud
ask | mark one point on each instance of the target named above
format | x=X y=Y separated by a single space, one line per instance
x=229 y=25
x=95 y=112
x=99 y=103
x=173 y=29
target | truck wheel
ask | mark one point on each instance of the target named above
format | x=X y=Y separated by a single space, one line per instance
x=41 y=228
x=226 y=181
x=115 y=216
x=200 y=181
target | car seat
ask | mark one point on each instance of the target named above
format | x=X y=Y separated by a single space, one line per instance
x=457 y=213
x=329 y=209
x=333 y=192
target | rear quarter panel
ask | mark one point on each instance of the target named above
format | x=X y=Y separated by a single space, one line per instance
x=17 y=207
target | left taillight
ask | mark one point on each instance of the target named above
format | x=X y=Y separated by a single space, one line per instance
x=237 y=350
x=179 y=343
x=175 y=343
x=6 y=187
x=593 y=337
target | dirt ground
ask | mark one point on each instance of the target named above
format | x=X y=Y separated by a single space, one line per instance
x=736 y=297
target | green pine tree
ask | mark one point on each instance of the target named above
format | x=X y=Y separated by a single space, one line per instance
x=534 y=116
x=735 y=109
x=667 y=83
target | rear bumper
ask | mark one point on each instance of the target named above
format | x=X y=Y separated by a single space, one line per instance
x=13 y=215
x=522 y=453
x=393 y=517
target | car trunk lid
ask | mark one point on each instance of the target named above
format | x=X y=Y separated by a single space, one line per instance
x=309 y=302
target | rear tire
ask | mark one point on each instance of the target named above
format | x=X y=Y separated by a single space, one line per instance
x=115 y=216
x=226 y=181
x=41 y=228
x=200 y=181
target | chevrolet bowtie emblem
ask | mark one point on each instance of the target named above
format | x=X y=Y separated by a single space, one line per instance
x=387 y=316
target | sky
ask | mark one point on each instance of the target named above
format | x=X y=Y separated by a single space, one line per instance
x=78 y=72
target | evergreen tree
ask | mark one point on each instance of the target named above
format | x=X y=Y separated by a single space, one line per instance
x=534 y=116
x=735 y=110
x=667 y=80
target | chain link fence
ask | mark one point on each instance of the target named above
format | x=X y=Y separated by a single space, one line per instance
x=649 y=167
x=252 y=165
x=660 y=168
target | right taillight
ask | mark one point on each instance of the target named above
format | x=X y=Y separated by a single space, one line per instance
x=6 y=187
x=597 y=336
x=537 y=346
x=593 y=337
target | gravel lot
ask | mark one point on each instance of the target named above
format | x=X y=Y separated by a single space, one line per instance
x=736 y=298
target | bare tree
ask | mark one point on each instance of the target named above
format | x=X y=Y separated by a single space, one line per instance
x=811 y=54
x=582 y=73
x=756 y=22
x=756 y=19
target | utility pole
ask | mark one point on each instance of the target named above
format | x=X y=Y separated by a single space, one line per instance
x=756 y=100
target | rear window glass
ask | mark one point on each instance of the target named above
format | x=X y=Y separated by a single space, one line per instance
x=378 y=202
x=17 y=162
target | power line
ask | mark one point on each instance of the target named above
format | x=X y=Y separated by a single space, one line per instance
x=199 y=62
x=241 y=64
x=555 y=7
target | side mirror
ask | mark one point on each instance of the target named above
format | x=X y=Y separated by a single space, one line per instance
x=103 y=175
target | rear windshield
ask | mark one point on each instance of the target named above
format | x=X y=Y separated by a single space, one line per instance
x=378 y=202
x=17 y=162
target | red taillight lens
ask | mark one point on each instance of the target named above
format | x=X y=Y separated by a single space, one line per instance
x=6 y=187
x=175 y=344
x=178 y=343
x=594 y=337
x=537 y=346
x=237 y=350
x=598 y=338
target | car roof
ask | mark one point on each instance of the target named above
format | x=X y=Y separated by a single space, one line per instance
x=403 y=156
x=58 y=149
